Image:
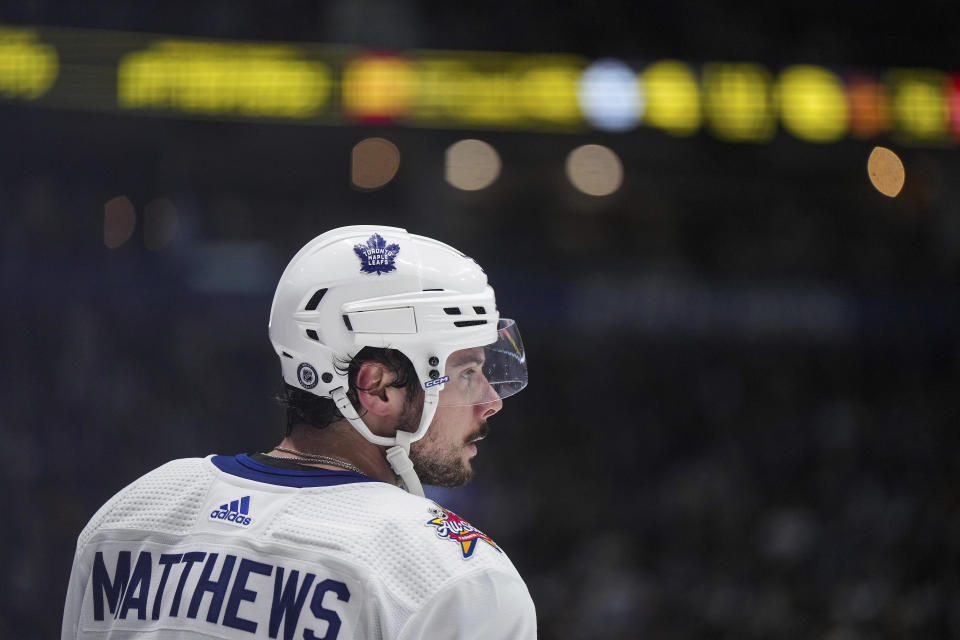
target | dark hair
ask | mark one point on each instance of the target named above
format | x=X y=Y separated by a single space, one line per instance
x=306 y=408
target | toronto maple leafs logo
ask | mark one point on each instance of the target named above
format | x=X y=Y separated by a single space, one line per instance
x=376 y=256
x=454 y=528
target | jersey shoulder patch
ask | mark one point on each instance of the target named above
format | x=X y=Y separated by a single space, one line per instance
x=452 y=527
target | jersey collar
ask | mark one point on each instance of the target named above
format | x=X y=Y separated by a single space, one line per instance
x=243 y=466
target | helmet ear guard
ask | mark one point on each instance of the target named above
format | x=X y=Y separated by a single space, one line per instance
x=318 y=375
x=366 y=286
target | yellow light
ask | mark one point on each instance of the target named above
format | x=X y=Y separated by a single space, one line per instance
x=673 y=97
x=482 y=98
x=373 y=163
x=471 y=165
x=886 y=171
x=919 y=104
x=119 y=221
x=550 y=93
x=499 y=90
x=435 y=99
x=737 y=102
x=214 y=79
x=379 y=87
x=28 y=67
x=813 y=105
x=595 y=170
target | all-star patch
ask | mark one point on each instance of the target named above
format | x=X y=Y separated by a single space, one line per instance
x=454 y=528
x=376 y=256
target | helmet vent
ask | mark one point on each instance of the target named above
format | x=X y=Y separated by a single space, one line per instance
x=479 y=310
x=346 y=322
x=452 y=311
x=315 y=300
x=312 y=335
x=433 y=289
x=468 y=323
x=286 y=355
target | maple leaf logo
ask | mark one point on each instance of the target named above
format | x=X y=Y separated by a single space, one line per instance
x=376 y=256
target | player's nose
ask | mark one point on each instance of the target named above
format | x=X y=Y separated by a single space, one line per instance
x=491 y=403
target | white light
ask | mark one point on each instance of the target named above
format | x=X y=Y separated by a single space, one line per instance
x=610 y=96
x=471 y=165
x=595 y=170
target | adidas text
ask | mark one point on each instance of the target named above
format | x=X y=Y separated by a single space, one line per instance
x=235 y=512
x=230 y=516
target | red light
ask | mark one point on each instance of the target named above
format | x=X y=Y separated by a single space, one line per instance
x=952 y=90
x=869 y=107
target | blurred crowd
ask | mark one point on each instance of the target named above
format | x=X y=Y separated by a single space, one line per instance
x=717 y=477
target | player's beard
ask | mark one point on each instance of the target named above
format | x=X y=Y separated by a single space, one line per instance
x=439 y=464
x=443 y=465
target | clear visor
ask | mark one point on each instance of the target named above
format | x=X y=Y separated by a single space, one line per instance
x=486 y=374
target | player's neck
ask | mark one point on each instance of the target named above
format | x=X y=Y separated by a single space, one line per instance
x=341 y=441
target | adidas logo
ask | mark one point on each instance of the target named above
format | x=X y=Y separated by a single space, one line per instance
x=236 y=512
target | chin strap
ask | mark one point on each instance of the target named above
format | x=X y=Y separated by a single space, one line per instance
x=399 y=458
x=398 y=455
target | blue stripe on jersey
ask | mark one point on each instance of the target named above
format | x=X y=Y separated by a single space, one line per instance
x=246 y=467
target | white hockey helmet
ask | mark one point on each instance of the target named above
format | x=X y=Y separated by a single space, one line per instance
x=365 y=285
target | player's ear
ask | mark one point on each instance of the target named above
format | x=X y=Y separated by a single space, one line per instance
x=374 y=391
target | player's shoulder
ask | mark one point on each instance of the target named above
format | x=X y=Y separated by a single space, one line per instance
x=406 y=529
x=170 y=478
x=394 y=523
x=156 y=494
x=440 y=549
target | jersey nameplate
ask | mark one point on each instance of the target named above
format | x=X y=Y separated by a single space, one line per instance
x=216 y=591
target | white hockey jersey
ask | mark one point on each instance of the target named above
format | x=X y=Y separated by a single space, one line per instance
x=228 y=547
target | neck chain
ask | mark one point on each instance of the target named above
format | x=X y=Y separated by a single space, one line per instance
x=315 y=459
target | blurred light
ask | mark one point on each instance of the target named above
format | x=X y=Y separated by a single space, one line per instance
x=869 y=108
x=594 y=170
x=213 y=78
x=379 y=87
x=119 y=221
x=812 y=104
x=28 y=67
x=498 y=89
x=373 y=163
x=672 y=98
x=738 y=103
x=919 y=105
x=549 y=92
x=886 y=171
x=953 y=105
x=610 y=96
x=471 y=165
x=453 y=90
x=159 y=224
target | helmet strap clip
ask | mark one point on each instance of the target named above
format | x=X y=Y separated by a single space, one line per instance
x=399 y=458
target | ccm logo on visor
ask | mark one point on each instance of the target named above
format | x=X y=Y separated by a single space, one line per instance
x=434 y=383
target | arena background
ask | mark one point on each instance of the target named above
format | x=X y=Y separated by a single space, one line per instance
x=742 y=411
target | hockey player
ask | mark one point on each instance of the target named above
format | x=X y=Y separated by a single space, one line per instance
x=394 y=356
